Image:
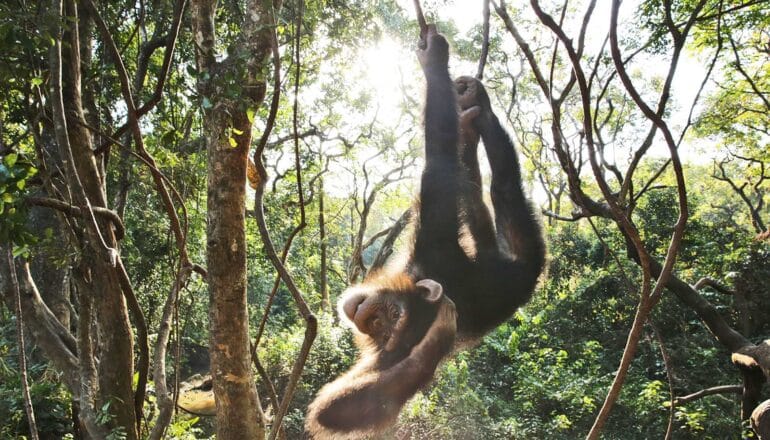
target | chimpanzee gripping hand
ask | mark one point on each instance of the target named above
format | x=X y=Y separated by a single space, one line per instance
x=433 y=51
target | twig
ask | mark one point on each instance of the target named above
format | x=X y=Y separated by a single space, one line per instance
x=271 y=394
x=669 y=377
x=575 y=215
x=484 y=41
x=420 y=18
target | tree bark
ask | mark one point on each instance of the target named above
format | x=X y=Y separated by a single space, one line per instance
x=97 y=276
x=227 y=131
x=760 y=420
x=236 y=398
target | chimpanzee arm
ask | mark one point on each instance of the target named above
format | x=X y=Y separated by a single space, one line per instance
x=438 y=224
x=367 y=399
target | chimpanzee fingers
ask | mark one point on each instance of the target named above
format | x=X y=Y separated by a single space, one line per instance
x=425 y=37
x=433 y=49
x=447 y=313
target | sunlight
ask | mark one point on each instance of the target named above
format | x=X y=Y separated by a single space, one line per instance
x=388 y=68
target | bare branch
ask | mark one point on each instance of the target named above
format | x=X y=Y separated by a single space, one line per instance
x=170 y=40
x=722 y=389
x=703 y=282
x=112 y=216
x=484 y=41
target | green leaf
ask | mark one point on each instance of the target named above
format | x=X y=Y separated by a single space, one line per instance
x=11 y=159
x=238 y=132
x=168 y=137
x=36 y=81
x=250 y=115
x=20 y=184
x=20 y=250
x=232 y=142
x=7 y=198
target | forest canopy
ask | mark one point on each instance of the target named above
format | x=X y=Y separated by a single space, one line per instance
x=188 y=186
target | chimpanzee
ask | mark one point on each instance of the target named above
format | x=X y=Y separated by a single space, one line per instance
x=449 y=292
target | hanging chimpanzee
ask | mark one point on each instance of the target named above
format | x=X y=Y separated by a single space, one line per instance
x=449 y=292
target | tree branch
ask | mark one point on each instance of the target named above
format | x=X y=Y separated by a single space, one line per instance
x=722 y=389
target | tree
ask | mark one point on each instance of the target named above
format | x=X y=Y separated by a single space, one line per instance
x=590 y=99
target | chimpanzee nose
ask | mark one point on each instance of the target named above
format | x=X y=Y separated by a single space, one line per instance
x=351 y=305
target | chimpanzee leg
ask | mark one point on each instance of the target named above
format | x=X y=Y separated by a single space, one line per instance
x=517 y=226
x=473 y=209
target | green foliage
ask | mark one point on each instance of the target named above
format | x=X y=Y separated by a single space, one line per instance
x=545 y=373
x=15 y=173
x=50 y=399
x=331 y=355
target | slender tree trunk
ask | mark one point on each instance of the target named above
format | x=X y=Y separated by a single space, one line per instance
x=227 y=131
x=22 y=351
x=324 y=288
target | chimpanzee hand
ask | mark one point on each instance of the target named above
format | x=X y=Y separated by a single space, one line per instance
x=441 y=335
x=471 y=93
x=433 y=51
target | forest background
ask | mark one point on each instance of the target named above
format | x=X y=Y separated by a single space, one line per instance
x=133 y=248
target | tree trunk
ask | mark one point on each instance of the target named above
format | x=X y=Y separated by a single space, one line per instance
x=98 y=278
x=324 y=288
x=236 y=397
x=227 y=130
x=760 y=420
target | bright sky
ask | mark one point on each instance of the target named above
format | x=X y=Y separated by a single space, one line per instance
x=388 y=64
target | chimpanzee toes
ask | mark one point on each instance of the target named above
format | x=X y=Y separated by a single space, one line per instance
x=467 y=89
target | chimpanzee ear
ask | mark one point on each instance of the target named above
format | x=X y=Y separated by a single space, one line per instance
x=433 y=290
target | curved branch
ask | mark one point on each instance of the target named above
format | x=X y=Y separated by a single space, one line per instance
x=59 y=205
x=170 y=39
x=722 y=389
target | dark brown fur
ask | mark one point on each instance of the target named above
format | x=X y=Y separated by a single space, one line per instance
x=405 y=319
